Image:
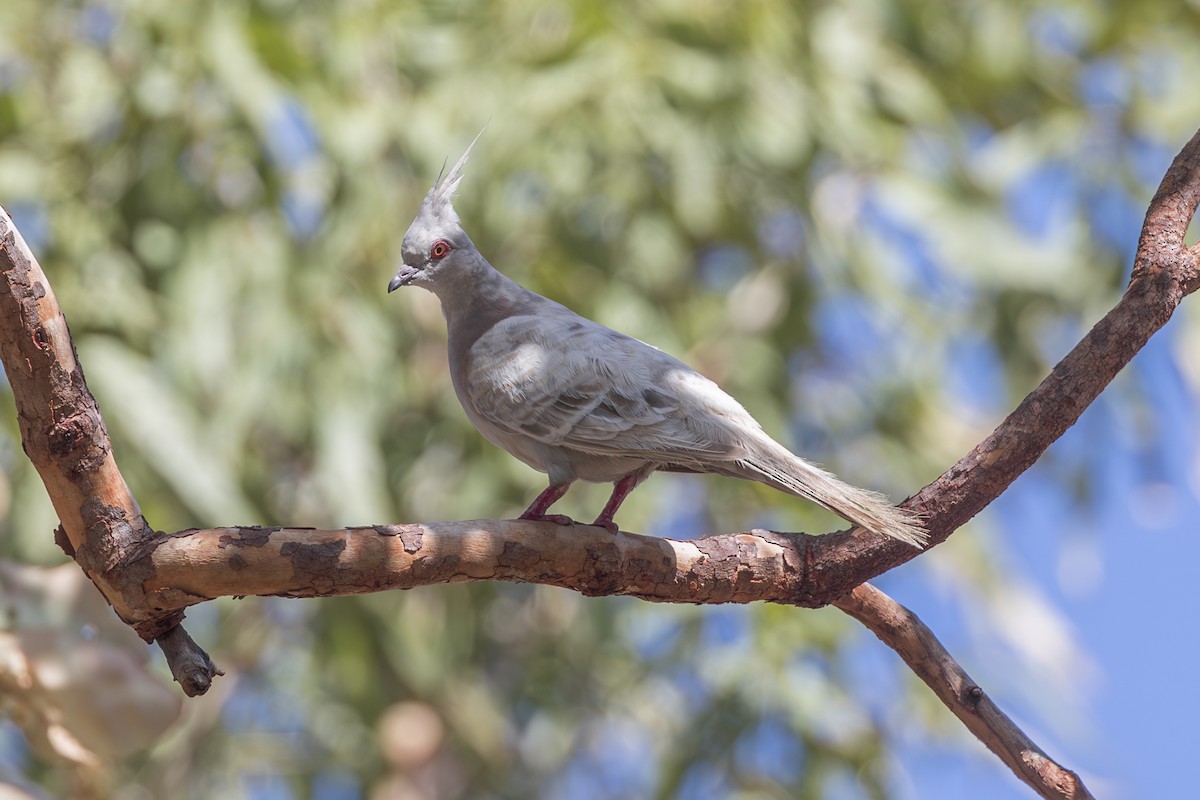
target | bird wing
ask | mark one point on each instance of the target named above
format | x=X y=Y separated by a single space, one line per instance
x=565 y=381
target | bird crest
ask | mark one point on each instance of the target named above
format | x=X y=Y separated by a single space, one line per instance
x=439 y=200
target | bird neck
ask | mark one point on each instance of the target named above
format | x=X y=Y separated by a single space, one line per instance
x=477 y=298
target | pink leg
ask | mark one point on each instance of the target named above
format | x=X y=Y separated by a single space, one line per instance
x=621 y=490
x=537 y=509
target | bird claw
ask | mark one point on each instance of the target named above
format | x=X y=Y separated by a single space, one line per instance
x=557 y=519
x=607 y=524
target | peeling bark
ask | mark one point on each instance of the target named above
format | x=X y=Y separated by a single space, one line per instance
x=150 y=577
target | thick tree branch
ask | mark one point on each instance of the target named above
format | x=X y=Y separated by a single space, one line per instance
x=65 y=438
x=197 y=565
x=903 y=631
x=150 y=578
x=61 y=428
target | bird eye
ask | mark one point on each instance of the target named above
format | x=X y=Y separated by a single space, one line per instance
x=440 y=249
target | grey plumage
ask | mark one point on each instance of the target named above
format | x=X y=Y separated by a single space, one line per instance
x=579 y=401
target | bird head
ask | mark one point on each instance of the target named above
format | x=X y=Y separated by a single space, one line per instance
x=436 y=249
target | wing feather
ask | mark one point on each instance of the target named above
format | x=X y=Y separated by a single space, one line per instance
x=573 y=383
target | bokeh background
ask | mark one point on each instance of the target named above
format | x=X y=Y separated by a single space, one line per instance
x=878 y=224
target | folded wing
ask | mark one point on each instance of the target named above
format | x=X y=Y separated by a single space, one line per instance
x=573 y=383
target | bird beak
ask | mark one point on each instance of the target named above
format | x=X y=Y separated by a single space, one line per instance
x=405 y=275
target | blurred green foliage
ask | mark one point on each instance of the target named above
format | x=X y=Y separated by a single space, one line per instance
x=814 y=203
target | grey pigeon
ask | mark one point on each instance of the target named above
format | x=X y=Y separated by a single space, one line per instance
x=579 y=401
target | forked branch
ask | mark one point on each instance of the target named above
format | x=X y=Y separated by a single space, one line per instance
x=150 y=578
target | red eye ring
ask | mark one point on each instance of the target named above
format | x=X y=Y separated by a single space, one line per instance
x=441 y=248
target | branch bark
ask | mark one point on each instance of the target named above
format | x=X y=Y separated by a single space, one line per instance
x=901 y=630
x=61 y=428
x=150 y=578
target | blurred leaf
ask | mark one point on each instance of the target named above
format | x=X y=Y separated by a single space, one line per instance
x=104 y=702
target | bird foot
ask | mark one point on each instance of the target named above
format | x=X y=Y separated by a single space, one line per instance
x=557 y=519
x=607 y=524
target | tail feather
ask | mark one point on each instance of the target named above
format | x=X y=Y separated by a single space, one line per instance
x=782 y=470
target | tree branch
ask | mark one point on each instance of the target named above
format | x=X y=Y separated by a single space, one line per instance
x=62 y=432
x=903 y=631
x=197 y=565
x=61 y=428
x=149 y=578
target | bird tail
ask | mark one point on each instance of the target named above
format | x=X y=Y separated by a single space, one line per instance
x=780 y=469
